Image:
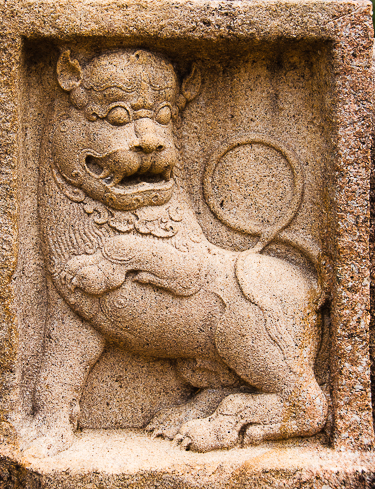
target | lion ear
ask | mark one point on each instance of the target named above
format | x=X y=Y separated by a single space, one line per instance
x=191 y=85
x=69 y=73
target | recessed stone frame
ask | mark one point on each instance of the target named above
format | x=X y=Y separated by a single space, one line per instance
x=346 y=31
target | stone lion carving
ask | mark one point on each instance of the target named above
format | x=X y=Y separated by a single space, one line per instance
x=127 y=262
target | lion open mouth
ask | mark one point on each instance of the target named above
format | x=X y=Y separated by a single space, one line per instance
x=120 y=179
x=125 y=182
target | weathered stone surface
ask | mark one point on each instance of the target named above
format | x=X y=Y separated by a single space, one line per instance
x=372 y=257
x=185 y=244
x=133 y=460
x=127 y=391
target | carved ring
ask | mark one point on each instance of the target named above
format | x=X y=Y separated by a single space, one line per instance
x=266 y=233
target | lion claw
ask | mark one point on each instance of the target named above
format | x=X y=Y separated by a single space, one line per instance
x=181 y=441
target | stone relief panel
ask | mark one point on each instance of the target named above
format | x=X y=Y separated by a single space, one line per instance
x=193 y=258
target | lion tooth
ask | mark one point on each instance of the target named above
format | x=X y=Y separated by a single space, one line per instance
x=109 y=180
x=105 y=173
x=167 y=174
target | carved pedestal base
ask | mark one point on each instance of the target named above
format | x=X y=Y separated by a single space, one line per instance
x=112 y=459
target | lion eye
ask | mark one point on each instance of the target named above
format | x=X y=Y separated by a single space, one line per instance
x=118 y=116
x=164 y=116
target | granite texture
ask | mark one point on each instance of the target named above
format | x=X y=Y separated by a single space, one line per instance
x=372 y=259
x=133 y=460
x=256 y=96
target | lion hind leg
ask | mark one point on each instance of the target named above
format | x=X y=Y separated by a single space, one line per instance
x=250 y=419
x=261 y=339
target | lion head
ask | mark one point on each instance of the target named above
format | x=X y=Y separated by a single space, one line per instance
x=113 y=136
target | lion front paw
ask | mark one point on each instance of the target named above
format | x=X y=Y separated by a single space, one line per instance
x=93 y=274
